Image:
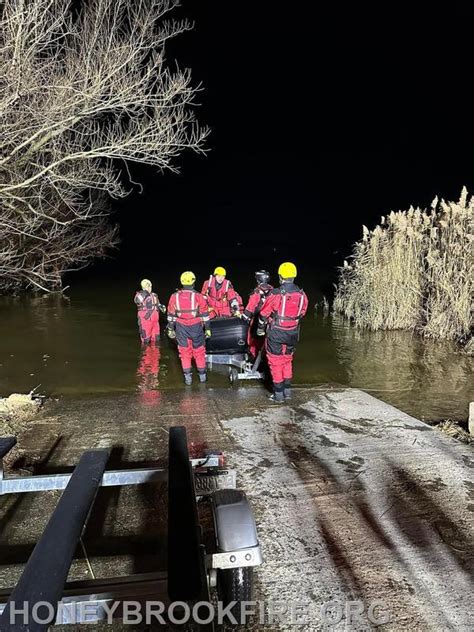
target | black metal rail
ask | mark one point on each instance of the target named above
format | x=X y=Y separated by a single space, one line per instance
x=6 y=444
x=46 y=571
x=184 y=541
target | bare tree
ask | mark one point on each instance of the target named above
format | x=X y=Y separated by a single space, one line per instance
x=81 y=93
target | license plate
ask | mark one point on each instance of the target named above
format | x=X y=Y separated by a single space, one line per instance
x=207 y=482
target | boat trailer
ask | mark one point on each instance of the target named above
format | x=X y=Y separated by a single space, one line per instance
x=240 y=366
x=43 y=596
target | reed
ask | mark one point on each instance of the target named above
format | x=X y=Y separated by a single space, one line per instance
x=414 y=271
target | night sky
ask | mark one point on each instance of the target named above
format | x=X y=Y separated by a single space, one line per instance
x=320 y=123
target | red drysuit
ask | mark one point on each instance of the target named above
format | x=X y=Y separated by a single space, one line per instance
x=251 y=312
x=187 y=313
x=148 y=317
x=282 y=311
x=222 y=298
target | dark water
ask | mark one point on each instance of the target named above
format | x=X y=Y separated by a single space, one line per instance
x=88 y=345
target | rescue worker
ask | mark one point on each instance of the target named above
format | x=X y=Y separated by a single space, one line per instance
x=188 y=322
x=222 y=298
x=280 y=316
x=148 y=304
x=255 y=303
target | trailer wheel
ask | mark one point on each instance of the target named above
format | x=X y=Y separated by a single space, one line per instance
x=233 y=375
x=235 y=584
x=215 y=599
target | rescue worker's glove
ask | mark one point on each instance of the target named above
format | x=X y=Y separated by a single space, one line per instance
x=162 y=308
x=208 y=333
x=237 y=314
x=261 y=331
x=171 y=332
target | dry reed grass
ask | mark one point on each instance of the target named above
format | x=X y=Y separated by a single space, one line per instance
x=414 y=271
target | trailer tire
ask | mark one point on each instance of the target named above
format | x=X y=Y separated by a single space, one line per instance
x=233 y=375
x=235 y=584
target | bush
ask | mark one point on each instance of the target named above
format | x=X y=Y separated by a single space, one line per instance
x=413 y=271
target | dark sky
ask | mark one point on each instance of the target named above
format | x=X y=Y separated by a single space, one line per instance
x=320 y=121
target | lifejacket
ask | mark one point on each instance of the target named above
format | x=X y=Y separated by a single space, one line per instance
x=264 y=290
x=290 y=309
x=186 y=304
x=144 y=301
x=212 y=286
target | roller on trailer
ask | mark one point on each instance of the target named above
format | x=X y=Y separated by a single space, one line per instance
x=227 y=346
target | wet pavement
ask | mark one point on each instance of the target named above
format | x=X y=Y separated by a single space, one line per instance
x=354 y=500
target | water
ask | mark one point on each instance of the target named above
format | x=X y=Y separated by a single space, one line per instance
x=88 y=345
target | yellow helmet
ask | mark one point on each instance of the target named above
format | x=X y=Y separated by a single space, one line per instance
x=287 y=270
x=146 y=284
x=187 y=278
x=220 y=270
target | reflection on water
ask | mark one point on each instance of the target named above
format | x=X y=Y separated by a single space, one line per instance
x=89 y=345
x=425 y=378
x=148 y=382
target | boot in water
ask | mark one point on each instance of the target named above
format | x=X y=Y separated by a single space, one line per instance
x=277 y=396
x=202 y=377
x=188 y=379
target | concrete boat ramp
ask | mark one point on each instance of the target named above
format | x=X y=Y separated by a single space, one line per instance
x=365 y=514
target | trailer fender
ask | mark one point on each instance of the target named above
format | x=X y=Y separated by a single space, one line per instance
x=234 y=521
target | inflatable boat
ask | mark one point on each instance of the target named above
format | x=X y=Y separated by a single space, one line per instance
x=229 y=335
x=228 y=346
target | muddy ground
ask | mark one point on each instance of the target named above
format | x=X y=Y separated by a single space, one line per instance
x=354 y=499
